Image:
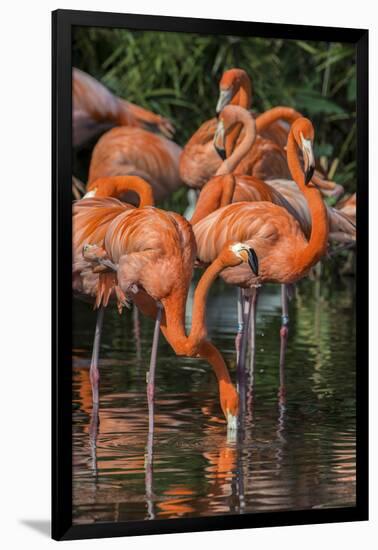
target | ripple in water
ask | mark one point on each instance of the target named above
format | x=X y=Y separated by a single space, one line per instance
x=297 y=448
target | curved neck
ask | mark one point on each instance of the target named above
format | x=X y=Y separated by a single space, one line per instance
x=243 y=96
x=175 y=306
x=317 y=243
x=198 y=328
x=216 y=193
x=272 y=115
x=115 y=186
x=249 y=127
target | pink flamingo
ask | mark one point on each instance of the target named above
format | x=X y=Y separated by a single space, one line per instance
x=96 y=109
x=147 y=255
x=134 y=151
x=285 y=253
x=199 y=162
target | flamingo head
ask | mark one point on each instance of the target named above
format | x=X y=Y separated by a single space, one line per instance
x=238 y=253
x=304 y=133
x=229 y=400
x=101 y=187
x=231 y=117
x=229 y=85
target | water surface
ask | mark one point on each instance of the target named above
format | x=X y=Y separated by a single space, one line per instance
x=298 y=446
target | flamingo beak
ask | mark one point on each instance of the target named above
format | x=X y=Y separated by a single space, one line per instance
x=219 y=140
x=253 y=261
x=308 y=158
x=224 y=99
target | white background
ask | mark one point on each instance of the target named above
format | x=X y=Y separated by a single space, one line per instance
x=25 y=269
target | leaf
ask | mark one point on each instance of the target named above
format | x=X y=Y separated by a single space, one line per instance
x=307 y=47
x=314 y=103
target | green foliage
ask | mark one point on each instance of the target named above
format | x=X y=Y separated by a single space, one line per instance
x=177 y=75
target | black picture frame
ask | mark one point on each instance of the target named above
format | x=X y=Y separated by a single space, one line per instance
x=62 y=23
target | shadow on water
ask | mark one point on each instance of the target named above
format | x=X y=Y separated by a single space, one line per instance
x=296 y=448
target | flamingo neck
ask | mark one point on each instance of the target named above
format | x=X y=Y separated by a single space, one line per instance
x=198 y=329
x=216 y=193
x=317 y=244
x=115 y=186
x=243 y=98
x=272 y=115
x=196 y=344
x=174 y=308
x=249 y=127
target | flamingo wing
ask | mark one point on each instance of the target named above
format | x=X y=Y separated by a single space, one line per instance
x=134 y=151
x=269 y=229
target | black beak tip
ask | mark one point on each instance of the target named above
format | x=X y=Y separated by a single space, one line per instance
x=253 y=261
x=309 y=174
x=221 y=152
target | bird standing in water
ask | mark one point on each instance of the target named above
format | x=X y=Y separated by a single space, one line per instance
x=228 y=187
x=91 y=217
x=150 y=255
x=284 y=253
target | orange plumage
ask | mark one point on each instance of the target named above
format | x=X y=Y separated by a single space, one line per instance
x=232 y=187
x=153 y=252
x=96 y=109
x=91 y=218
x=134 y=151
x=265 y=159
x=284 y=253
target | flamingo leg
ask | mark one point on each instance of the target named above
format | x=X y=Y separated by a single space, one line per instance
x=249 y=304
x=94 y=373
x=253 y=330
x=241 y=372
x=281 y=419
x=239 y=334
x=285 y=311
x=148 y=459
x=284 y=331
x=152 y=370
x=93 y=433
